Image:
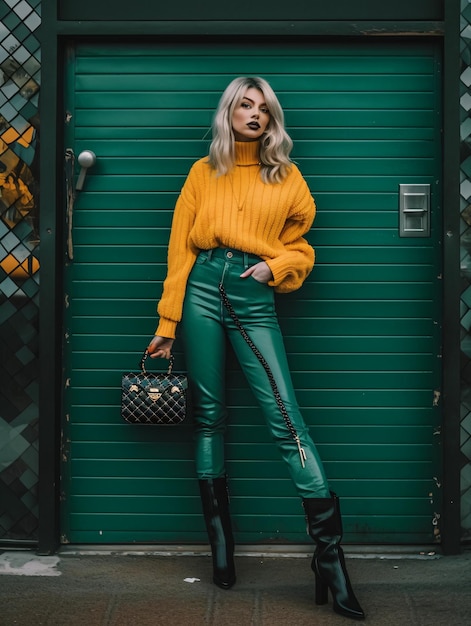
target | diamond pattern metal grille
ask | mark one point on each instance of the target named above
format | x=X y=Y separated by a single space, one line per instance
x=19 y=268
x=465 y=262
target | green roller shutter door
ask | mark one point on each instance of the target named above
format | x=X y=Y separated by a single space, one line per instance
x=363 y=334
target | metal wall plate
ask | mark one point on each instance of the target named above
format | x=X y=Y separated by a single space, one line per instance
x=414 y=210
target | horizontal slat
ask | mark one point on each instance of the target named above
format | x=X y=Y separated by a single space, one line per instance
x=329 y=452
x=171 y=469
x=177 y=133
x=351 y=326
x=374 y=99
x=226 y=64
x=258 y=434
x=333 y=315
x=107 y=271
x=251 y=507
x=301 y=364
x=398 y=254
x=299 y=345
x=162 y=204
x=163 y=117
x=341 y=184
x=145 y=236
x=139 y=83
x=348 y=158
x=341 y=397
x=321 y=416
x=350 y=291
x=246 y=523
x=243 y=488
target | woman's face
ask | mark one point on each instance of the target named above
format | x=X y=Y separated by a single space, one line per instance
x=251 y=116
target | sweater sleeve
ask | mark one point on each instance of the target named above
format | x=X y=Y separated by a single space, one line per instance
x=180 y=260
x=293 y=265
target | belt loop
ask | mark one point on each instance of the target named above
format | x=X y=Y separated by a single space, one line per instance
x=246 y=260
x=210 y=254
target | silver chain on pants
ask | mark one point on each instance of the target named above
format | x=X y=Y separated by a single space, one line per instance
x=269 y=373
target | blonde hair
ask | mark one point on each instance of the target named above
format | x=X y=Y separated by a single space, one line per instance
x=275 y=143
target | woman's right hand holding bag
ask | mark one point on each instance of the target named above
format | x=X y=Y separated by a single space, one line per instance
x=160 y=347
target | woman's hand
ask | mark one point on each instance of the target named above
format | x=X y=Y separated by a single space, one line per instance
x=260 y=272
x=160 y=347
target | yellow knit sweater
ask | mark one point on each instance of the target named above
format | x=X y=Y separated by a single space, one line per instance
x=240 y=211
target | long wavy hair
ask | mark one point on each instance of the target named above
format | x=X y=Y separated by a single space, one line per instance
x=275 y=143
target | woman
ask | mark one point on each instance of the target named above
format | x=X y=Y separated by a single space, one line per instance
x=238 y=232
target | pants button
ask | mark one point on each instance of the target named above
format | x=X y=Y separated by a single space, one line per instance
x=229 y=254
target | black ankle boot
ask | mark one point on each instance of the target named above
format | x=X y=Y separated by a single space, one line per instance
x=328 y=563
x=215 y=500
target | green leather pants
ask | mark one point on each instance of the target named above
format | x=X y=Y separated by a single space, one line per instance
x=205 y=327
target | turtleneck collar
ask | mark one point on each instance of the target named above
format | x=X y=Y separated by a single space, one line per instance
x=247 y=153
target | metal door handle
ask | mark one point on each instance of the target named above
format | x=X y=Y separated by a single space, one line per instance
x=86 y=159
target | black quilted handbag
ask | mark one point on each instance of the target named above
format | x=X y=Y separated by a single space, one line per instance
x=153 y=398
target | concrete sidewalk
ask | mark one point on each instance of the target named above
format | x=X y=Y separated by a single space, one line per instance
x=150 y=588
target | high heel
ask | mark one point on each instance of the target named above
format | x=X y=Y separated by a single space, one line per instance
x=328 y=563
x=215 y=501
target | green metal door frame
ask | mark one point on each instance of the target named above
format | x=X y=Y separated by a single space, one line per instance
x=55 y=35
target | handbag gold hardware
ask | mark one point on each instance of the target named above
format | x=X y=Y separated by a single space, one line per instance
x=154 y=394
